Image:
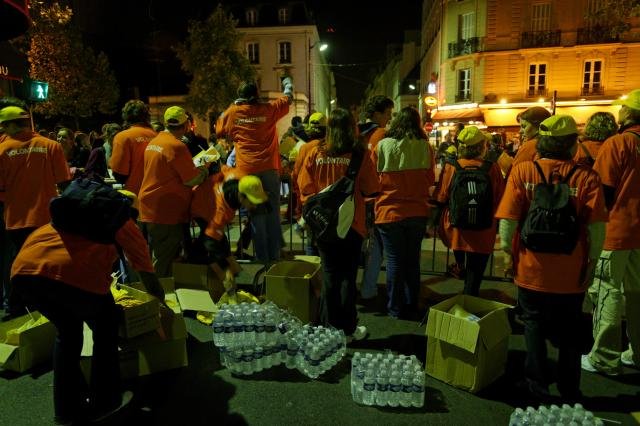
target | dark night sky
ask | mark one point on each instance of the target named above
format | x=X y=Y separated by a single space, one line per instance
x=124 y=28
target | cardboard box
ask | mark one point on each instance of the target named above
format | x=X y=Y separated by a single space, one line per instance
x=464 y=353
x=35 y=345
x=139 y=319
x=194 y=282
x=295 y=285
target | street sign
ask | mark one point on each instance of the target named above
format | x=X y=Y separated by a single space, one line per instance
x=38 y=91
x=430 y=101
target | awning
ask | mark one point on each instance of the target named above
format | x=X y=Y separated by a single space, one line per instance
x=462 y=114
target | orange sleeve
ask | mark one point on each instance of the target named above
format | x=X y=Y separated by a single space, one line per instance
x=134 y=246
x=182 y=163
x=120 y=155
x=202 y=201
x=514 y=197
x=222 y=216
x=368 y=177
x=608 y=164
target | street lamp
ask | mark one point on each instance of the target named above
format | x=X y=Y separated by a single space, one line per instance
x=322 y=47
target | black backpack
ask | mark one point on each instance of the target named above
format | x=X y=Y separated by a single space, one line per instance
x=471 y=197
x=321 y=211
x=551 y=224
x=92 y=209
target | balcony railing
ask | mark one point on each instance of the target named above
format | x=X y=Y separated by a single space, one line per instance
x=540 y=38
x=537 y=92
x=463 y=97
x=592 y=91
x=596 y=34
x=464 y=47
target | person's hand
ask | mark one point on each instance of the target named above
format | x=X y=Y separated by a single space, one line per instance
x=152 y=284
x=229 y=281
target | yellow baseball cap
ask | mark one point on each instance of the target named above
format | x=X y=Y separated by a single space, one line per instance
x=631 y=101
x=558 y=125
x=251 y=187
x=175 y=115
x=318 y=119
x=470 y=136
x=12 y=113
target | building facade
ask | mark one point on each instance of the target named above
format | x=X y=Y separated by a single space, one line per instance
x=489 y=60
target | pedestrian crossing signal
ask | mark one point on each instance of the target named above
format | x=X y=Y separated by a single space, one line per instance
x=38 y=91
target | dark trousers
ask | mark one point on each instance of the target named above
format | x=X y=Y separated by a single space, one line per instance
x=67 y=307
x=339 y=272
x=16 y=238
x=474 y=264
x=402 y=242
x=555 y=317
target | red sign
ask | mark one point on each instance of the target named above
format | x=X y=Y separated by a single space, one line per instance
x=428 y=127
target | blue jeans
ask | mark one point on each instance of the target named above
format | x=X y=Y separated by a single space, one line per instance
x=402 y=243
x=265 y=220
x=339 y=271
x=373 y=263
x=67 y=307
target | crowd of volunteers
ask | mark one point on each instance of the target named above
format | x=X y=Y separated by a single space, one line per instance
x=399 y=197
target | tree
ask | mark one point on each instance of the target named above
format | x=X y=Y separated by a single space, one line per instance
x=80 y=83
x=613 y=15
x=212 y=56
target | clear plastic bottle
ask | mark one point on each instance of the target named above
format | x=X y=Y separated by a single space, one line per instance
x=292 y=352
x=228 y=332
x=406 y=397
x=418 y=389
x=218 y=332
x=270 y=329
x=369 y=387
x=395 y=387
x=382 y=386
x=259 y=329
x=247 y=361
x=314 y=362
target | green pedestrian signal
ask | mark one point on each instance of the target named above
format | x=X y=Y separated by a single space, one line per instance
x=38 y=91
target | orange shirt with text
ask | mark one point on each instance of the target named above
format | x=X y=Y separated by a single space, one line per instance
x=127 y=155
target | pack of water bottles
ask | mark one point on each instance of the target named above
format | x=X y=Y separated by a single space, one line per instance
x=253 y=337
x=554 y=415
x=314 y=350
x=384 y=379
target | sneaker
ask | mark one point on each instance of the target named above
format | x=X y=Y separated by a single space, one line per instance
x=127 y=396
x=359 y=334
x=588 y=366
x=626 y=358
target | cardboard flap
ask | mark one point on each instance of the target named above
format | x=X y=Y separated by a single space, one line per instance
x=495 y=327
x=459 y=332
x=195 y=300
x=6 y=352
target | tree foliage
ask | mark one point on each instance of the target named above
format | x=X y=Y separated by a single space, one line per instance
x=613 y=15
x=212 y=56
x=80 y=83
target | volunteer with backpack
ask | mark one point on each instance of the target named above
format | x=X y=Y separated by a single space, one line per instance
x=599 y=127
x=66 y=276
x=405 y=163
x=553 y=216
x=470 y=188
x=618 y=283
x=325 y=164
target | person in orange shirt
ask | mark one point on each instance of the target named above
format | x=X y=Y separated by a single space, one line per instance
x=472 y=248
x=165 y=194
x=67 y=277
x=325 y=164
x=30 y=168
x=529 y=120
x=127 y=154
x=618 y=164
x=599 y=127
x=405 y=163
x=378 y=110
x=251 y=125
x=551 y=286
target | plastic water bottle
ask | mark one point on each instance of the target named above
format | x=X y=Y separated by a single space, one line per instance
x=228 y=332
x=406 y=397
x=314 y=362
x=270 y=329
x=382 y=386
x=369 y=387
x=395 y=387
x=292 y=352
x=218 y=332
x=418 y=389
x=516 y=417
x=259 y=329
x=258 y=356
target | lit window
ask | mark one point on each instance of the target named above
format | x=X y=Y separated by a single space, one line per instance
x=252 y=16
x=537 y=80
x=466 y=26
x=253 y=53
x=284 y=52
x=592 y=77
x=541 y=17
x=464 y=85
x=283 y=15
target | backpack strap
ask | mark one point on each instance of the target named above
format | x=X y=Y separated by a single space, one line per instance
x=544 y=179
x=586 y=152
x=354 y=164
x=571 y=172
x=454 y=163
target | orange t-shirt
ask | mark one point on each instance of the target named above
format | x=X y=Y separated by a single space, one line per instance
x=164 y=198
x=406 y=171
x=475 y=241
x=202 y=199
x=30 y=168
x=127 y=155
x=252 y=128
x=223 y=214
x=77 y=261
x=302 y=154
x=618 y=164
x=527 y=152
x=552 y=272
x=319 y=171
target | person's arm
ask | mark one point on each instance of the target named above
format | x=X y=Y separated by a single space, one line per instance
x=202 y=175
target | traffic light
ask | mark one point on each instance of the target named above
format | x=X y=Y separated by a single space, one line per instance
x=38 y=91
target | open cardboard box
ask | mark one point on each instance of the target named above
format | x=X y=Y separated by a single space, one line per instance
x=35 y=345
x=464 y=353
x=198 y=286
x=295 y=285
x=139 y=319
